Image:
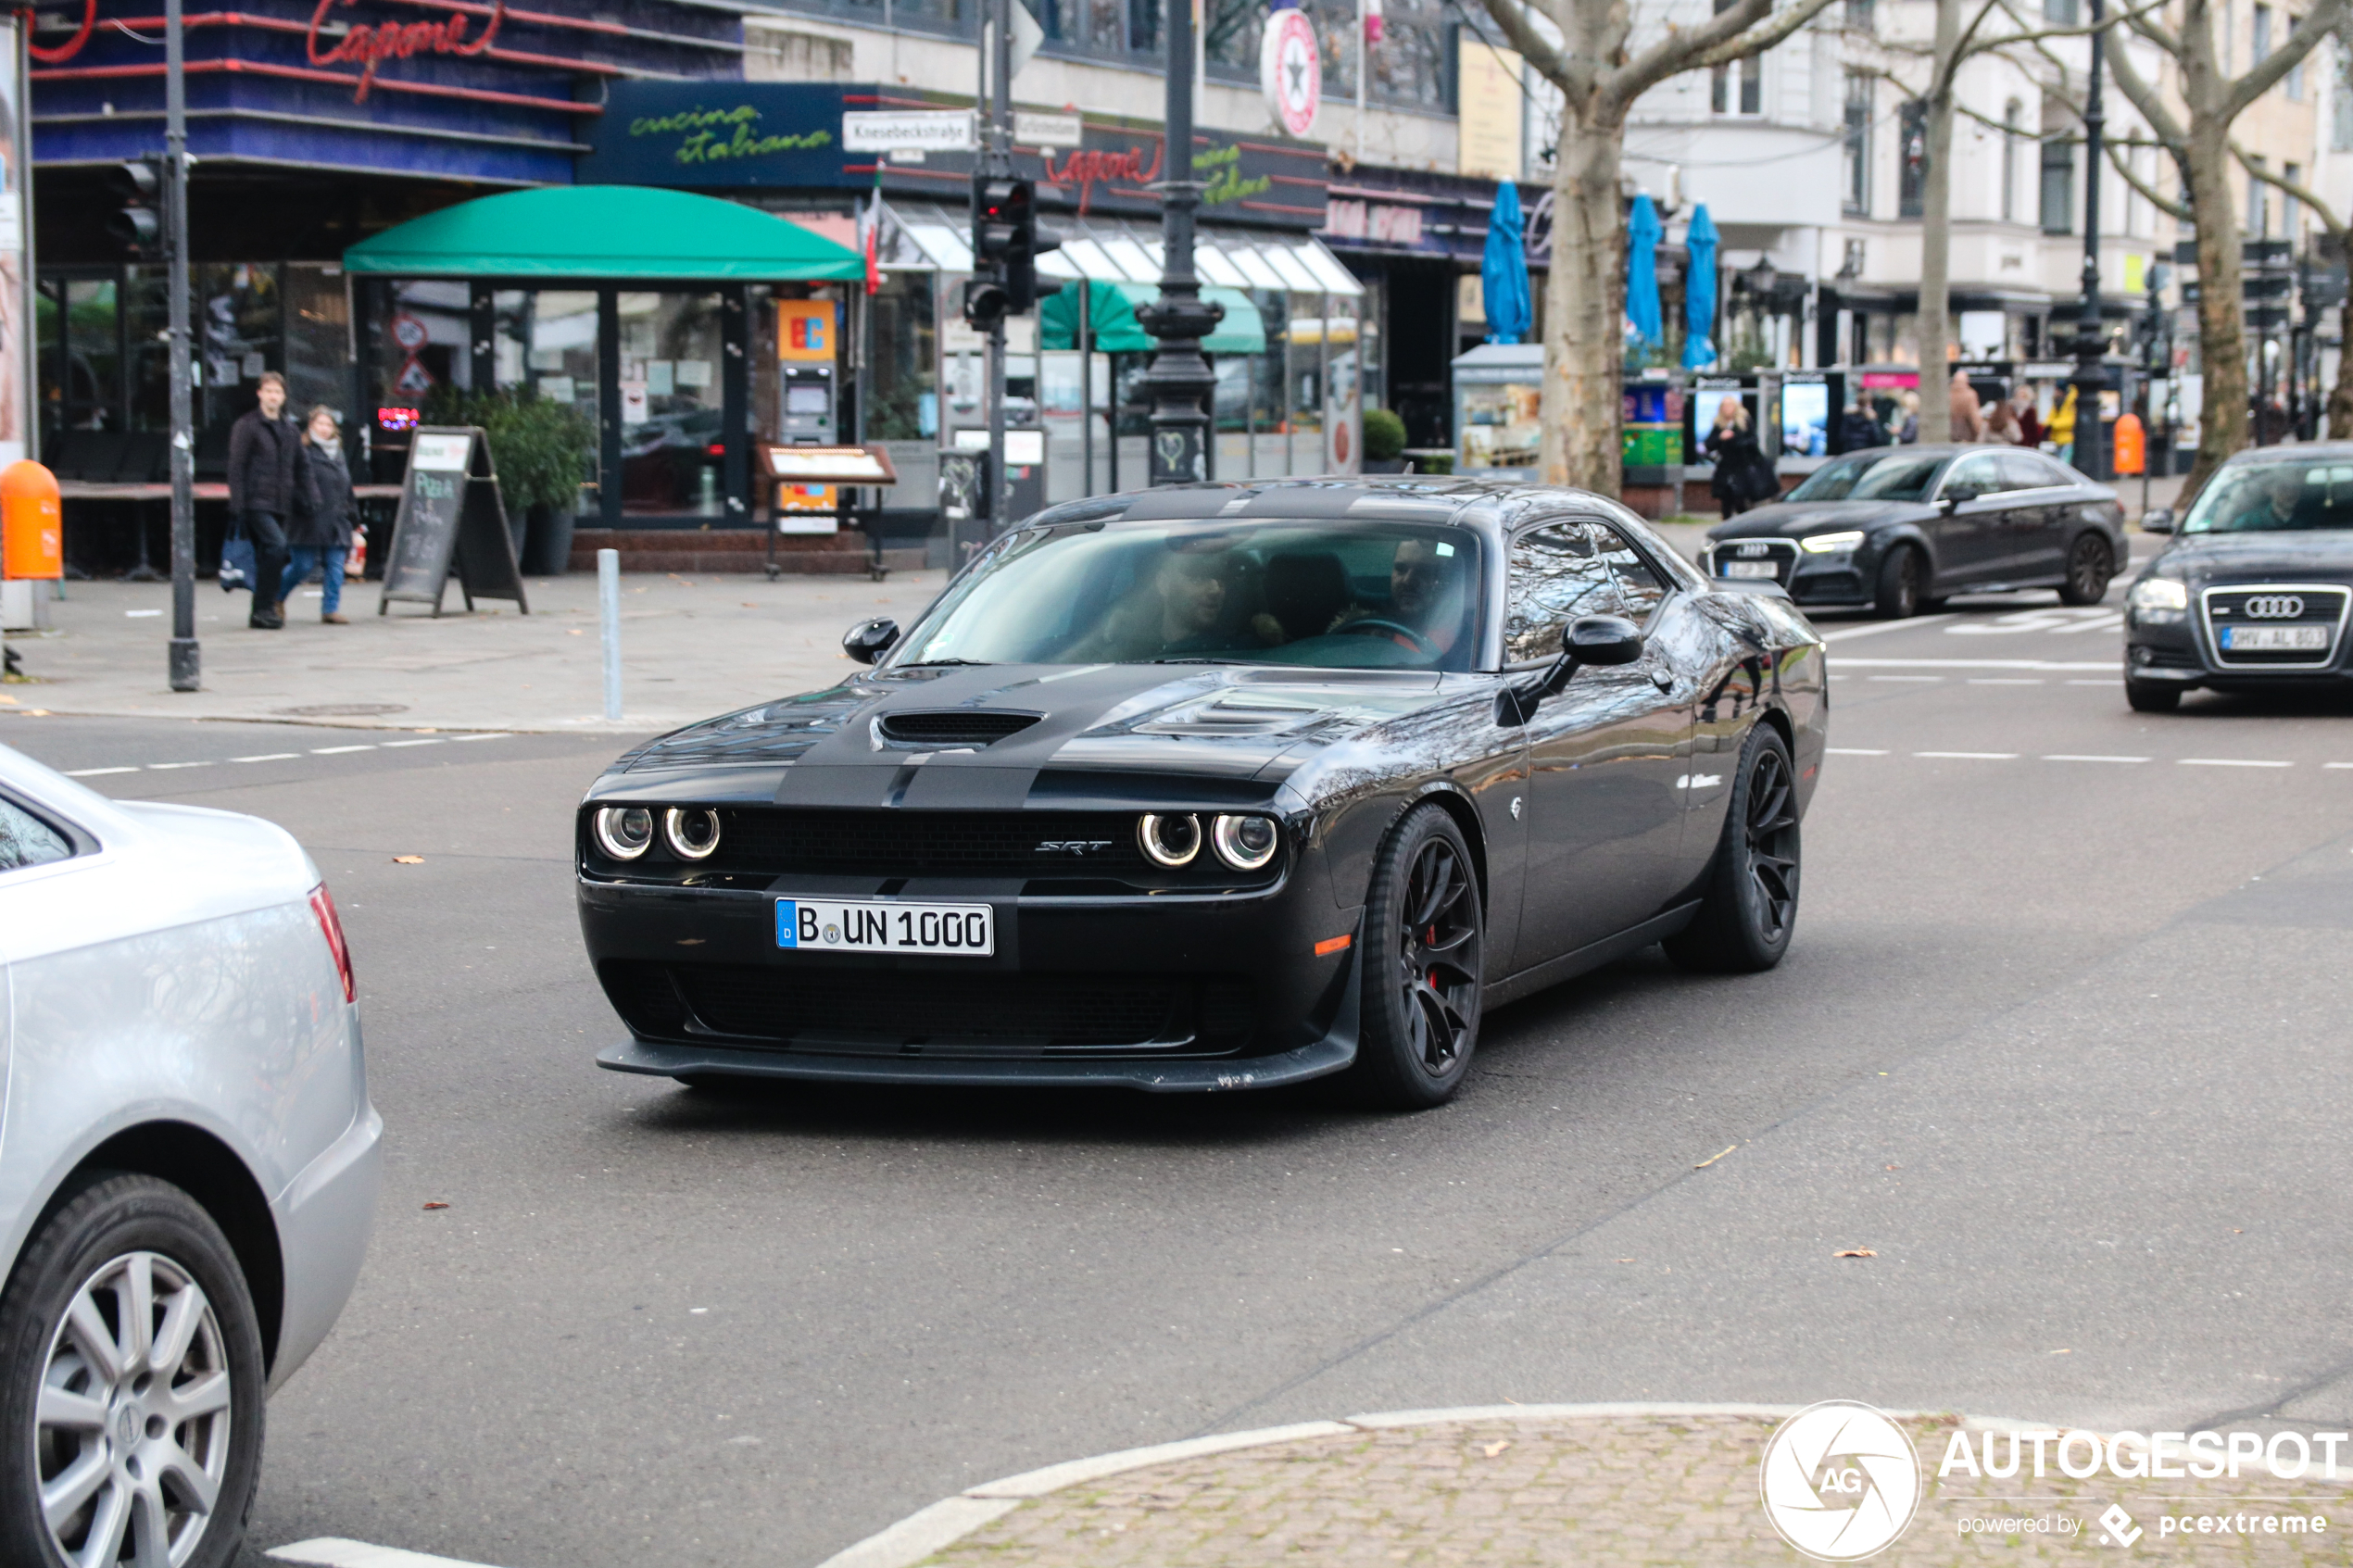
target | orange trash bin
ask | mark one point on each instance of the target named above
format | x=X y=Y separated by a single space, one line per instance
x=2131 y=444
x=32 y=526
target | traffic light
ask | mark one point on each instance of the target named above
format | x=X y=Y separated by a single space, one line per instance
x=985 y=303
x=138 y=224
x=1006 y=242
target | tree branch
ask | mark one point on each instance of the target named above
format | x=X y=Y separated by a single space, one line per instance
x=1573 y=77
x=2321 y=209
x=1712 y=44
x=2165 y=205
x=2325 y=19
x=2145 y=99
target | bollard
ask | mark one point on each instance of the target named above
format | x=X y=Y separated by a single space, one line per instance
x=609 y=611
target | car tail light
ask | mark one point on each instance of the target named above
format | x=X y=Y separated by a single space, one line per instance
x=322 y=904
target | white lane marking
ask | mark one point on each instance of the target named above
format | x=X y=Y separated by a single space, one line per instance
x=167 y=767
x=1997 y=681
x=339 y=751
x=1912 y=625
x=269 y=757
x=2109 y=664
x=499 y=735
x=1851 y=751
x=431 y=740
x=94 y=773
x=2337 y=764
x=329 y=1552
x=141 y=614
x=2229 y=762
x=1973 y=755
x=2077 y=682
x=1932 y=680
x=2080 y=757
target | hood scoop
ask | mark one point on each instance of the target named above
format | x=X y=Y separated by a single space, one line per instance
x=955 y=727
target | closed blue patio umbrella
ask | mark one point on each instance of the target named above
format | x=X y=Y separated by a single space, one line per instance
x=1642 y=232
x=1503 y=271
x=1699 y=292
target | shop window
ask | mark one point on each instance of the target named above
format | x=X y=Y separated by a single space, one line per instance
x=1143 y=26
x=80 y=348
x=237 y=337
x=673 y=403
x=318 y=362
x=902 y=378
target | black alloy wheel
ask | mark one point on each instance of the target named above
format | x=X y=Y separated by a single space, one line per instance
x=1750 y=907
x=2090 y=565
x=131 y=1386
x=1424 y=966
x=2148 y=696
x=1903 y=579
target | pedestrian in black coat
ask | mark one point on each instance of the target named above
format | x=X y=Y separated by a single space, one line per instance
x=1744 y=474
x=268 y=483
x=320 y=536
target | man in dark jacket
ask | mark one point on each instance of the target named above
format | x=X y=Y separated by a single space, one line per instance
x=268 y=482
x=1858 y=430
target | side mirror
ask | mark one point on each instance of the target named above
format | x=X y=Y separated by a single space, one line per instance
x=1589 y=639
x=869 y=640
x=2157 y=520
x=1954 y=495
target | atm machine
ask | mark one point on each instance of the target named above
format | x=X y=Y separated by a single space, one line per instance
x=808 y=395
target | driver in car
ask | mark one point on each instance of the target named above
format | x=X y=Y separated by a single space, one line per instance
x=1424 y=597
x=1181 y=613
x=2270 y=502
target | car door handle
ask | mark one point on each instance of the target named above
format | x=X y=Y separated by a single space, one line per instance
x=1663 y=680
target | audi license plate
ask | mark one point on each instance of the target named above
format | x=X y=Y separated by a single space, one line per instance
x=955 y=931
x=1763 y=569
x=2274 y=639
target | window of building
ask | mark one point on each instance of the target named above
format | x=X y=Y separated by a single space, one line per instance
x=2296 y=71
x=2010 y=112
x=1860 y=16
x=2341 y=98
x=2059 y=186
x=2262 y=49
x=2258 y=204
x=2060 y=13
x=2291 y=210
x=1856 y=184
x=1738 y=88
x=1912 y=172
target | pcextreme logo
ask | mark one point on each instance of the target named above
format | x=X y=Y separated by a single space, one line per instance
x=1840 y=1481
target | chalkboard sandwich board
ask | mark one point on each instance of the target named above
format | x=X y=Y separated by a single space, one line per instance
x=451 y=518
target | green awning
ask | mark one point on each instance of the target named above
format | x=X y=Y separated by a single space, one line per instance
x=1112 y=325
x=603 y=231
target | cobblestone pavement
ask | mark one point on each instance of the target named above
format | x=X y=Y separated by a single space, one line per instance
x=1663 y=1490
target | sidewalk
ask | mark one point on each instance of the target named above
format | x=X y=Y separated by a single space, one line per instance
x=1511 y=1485
x=691 y=646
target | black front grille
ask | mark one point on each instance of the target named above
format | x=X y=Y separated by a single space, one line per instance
x=2263 y=605
x=903 y=1011
x=910 y=844
x=955 y=728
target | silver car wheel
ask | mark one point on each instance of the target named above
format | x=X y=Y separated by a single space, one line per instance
x=131 y=1432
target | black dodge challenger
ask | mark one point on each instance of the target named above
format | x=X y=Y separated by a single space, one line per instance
x=1214 y=787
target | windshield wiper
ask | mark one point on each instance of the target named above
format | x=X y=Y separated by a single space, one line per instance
x=1202 y=659
x=932 y=663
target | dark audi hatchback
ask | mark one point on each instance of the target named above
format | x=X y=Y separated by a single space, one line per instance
x=2252 y=592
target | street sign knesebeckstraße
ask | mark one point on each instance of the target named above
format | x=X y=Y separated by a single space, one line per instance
x=939 y=130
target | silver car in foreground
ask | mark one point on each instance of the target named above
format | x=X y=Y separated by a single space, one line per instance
x=188 y=1164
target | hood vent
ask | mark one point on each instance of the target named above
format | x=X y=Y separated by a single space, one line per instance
x=956 y=727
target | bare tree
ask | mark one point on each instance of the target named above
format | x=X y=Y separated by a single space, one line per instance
x=1585 y=48
x=2341 y=241
x=2198 y=136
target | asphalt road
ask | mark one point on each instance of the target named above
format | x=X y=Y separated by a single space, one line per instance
x=2062 y=1040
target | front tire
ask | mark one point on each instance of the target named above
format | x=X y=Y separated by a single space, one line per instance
x=1424 y=966
x=131 y=1386
x=2148 y=696
x=1902 y=580
x=1749 y=909
x=2090 y=567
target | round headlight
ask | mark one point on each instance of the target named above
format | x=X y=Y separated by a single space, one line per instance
x=1244 y=843
x=624 y=832
x=693 y=833
x=1171 y=840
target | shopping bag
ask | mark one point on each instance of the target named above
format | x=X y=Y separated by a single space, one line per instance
x=237 y=562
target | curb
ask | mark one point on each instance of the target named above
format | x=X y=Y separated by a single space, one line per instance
x=949 y=1520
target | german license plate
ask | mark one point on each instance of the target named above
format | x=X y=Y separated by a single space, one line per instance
x=956 y=931
x=1763 y=569
x=2275 y=639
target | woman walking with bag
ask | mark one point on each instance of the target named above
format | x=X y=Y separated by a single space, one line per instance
x=268 y=482
x=1744 y=476
x=320 y=536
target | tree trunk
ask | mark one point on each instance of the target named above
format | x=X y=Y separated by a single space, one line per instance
x=2220 y=324
x=1585 y=307
x=1935 y=320
x=2341 y=396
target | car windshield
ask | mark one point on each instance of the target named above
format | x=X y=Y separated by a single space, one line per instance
x=1332 y=596
x=2274 y=498
x=1874 y=477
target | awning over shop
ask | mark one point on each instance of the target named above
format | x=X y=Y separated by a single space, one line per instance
x=1114 y=328
x=920 y=237
x=603 y=231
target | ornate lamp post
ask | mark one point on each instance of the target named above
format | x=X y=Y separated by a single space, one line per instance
x=1179 y=379
x=2091 y=336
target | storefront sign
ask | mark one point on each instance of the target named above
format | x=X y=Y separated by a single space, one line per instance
x=1048 y=130
x=1290 y=71
x=369 y=47
x=1375 y=222
x=734 y=133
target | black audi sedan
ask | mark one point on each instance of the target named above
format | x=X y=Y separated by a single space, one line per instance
x=2251 y=593
x=1898 y=529
x=1215 y=787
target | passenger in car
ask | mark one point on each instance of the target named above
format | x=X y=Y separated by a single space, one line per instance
x=1181 y=613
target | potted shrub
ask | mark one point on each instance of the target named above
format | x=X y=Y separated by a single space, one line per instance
x=541 y=450
x=1384 y=442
